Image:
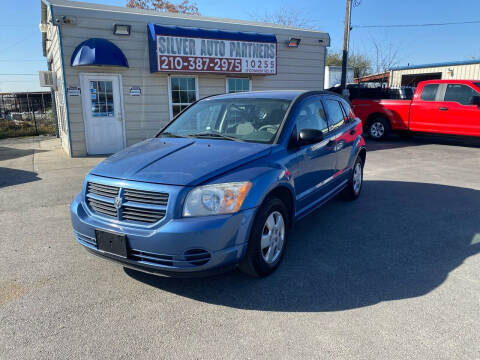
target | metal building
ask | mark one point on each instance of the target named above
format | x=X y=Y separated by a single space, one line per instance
x=411 y=75
x=121 y=74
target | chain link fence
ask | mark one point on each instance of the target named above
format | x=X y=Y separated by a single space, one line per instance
x=26 y=114
x=27 y=124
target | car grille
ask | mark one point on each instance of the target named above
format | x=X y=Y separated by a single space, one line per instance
x=146 y=197
x=102 y=190
x=137 y=205
x=144 y=215
x=102 y=207
x=151 y=257
x=191 y=258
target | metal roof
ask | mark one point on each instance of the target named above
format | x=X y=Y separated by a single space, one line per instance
x=440 y=64
x=134 y=11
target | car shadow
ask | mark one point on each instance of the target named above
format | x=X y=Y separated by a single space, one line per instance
x=398 y=240
x=9 y=177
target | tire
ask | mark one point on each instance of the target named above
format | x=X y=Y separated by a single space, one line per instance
x=378 y=128
x=257 y=261
x=354 y=188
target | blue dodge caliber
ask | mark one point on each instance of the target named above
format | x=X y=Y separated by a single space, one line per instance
x=222 y=184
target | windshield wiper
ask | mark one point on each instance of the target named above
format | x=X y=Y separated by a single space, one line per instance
x=215 y=135
x=171 y=135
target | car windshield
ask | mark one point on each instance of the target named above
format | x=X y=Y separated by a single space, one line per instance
x=237 y=119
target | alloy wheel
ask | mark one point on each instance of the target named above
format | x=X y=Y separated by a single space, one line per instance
x=377 y=130
x=357 y=178
x=273 y=237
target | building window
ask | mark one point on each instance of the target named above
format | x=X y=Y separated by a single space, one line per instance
x=101 y=93
x=183 y=92
x=238 y=85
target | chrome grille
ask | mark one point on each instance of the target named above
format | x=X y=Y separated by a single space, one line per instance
x=146 y=197
x=141 y=214
x=137 y=205
x=102 y=207
x=151 y=257
x=102 y=190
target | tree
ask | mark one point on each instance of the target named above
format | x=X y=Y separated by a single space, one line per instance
x=385 y=55
x=285 y=17
x=360 y=63
x=185 y=7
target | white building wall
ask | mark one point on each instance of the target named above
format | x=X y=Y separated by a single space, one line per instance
x=452 y=72
x=297 y=68
x=333 y=76
x=54 y=57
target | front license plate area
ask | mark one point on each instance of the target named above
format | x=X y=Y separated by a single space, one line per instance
x=111 y=243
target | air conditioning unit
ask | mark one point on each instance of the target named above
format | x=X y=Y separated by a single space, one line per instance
x=48 y=79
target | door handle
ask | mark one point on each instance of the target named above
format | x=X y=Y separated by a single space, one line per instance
x=331 y=143
x=352 y=132
x=443 y=108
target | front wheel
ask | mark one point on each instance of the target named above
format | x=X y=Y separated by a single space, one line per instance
x=268 y=239
x=378 y=128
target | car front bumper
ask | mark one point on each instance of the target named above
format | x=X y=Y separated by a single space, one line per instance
x=197 y=245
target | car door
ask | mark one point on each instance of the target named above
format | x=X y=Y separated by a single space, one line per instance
x=425 y=109
x=342 y=130
x=457 y=114
x=315 y=162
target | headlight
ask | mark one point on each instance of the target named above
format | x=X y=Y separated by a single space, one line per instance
x=216 y=199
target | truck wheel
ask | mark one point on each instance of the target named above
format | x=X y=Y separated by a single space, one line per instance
x=354 y=186
x=378 y=128
x=268 y=239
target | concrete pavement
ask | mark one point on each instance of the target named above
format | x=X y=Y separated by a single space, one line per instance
x=392 y=275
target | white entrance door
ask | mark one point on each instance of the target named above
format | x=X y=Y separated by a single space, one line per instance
x=102 y=109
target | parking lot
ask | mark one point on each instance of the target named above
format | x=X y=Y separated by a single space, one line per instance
x=400 y=281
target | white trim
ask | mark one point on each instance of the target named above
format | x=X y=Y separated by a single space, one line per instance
x=238 y=77
x=169 y=89
x=122 y=107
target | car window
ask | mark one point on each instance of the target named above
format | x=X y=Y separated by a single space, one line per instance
x=347 y=109
x=249 y=119
x=311 y=115
x=429 y=92
x=336 y=117
x=459 y=93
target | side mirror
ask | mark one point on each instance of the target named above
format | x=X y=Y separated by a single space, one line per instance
x=309 y=136
x=475 y=100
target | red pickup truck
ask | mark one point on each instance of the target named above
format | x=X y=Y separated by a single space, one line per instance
x=438 y=106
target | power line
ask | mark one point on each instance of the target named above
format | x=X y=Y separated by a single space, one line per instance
x=17 y=60
x=18 y=42
x=417 y=25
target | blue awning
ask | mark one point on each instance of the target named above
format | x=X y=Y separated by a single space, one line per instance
x=98 y=52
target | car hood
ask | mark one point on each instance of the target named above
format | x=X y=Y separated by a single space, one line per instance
x=179 y=161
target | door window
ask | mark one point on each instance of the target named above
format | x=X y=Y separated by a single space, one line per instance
x=101 y=94
x=183 y=93
x=460 y=93
x=238 y=85
x=336 y=117
x=429 y=92
x=348 y=111
x=311 y=115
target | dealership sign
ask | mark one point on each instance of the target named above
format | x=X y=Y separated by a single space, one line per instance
x=191 y=50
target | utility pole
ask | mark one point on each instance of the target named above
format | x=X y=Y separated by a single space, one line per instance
x=346 y=39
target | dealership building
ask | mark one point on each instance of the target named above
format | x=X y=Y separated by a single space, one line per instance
x=118 y=75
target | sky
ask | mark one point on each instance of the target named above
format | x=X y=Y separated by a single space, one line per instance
x=21 y=48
